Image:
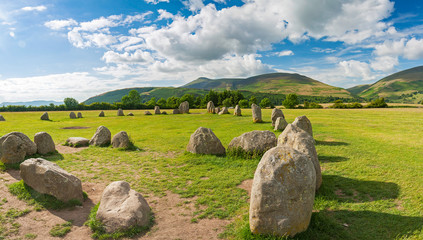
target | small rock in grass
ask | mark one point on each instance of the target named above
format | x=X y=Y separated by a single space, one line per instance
x=2 y=118
x=224 y=110
x=77 y=142
x=72 y=115
x=130 y=114
x=101 y=114
x=120 y=112
x=276 y=112
x=121 y=140
x=79 y=115
x=176 y=111
x=147 y=113
x=45 y=116
x=254 y=141
x=156 y=110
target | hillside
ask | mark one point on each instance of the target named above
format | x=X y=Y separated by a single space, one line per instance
x=31 y=103
x=404 y=86
x=277 y=83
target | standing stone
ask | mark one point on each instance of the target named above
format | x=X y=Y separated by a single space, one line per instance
x=304 y=123
x=254 y=141
x=147 y=113
x=156 y=110
x=48 y=178
x=44 y=142
x=176 y=111
x=12 y=149
x=164 y=113
x=101 y=114
x=79 y=115
x=184 y=107
x=122 y=208
x=282 y=194
x=45 y=116
x=203 y=141
x=303 y=142
x=224 y=110
x=77 y=142
x=256 y=113
x=217 y=110
x=210 y=107
x=29 y=146
x=280 y=124
x=2 y=118
x=276 y=112
x=130 y=114
x=120 y=112
x=237 y=111
x=72 y=115
x=121 y=140
x=102 y=137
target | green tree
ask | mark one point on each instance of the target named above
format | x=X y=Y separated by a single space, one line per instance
x=290 y=101
x=227 y=102
x=172 y=102
x=151 y=103
x=161 y=103
x=187 y=97
x=71 y=103
x=253 y=99
x=243 y=103
x=132 y=99
x=265 y=102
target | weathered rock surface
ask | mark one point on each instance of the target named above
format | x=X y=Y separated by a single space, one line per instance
x=156 y=110
x=130 y=114
x=256 y=110
x=79 y=115
x=29 y=146
x=45 y=116
x=77 y=142
x=2 y=118
x=276 y=112
x=120 y=112
x=121 y=140
x=12 y=149
x=282 y=193
x=280 y=124
x=72 y=115
x=176 y=111
x=44 y=142
x=303 y=142
x=48 y=178
x=217 y=110
x=254 y=141
x=102 y=137
x=210 y=107
x=101 y=114
x=164 y=113
x=122 y=208
x=224 y=110
x=147 y=113
x=304 y=123
x=237 y=111
x=184 y=107
x=204 y=141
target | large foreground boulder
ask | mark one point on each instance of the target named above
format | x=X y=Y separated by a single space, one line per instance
x=282 y=194
x=122 y=208
x=237 y=111
x=77 y=142
x=12 y=150
x=72 y=115
x=303 y=142
x=120 y=112
x=203 y=141
x=304 y=123
x=29 y=146
x=102 y=137
x=184 y=107
x=254 y=141
x=44 y=142
x=256 y=110
x=48 y=178
x=2 y=118
x=156 y=110
x=121 y=140
x=280 y=124
x=210 y=107
x=45 y=116
x=276 y=113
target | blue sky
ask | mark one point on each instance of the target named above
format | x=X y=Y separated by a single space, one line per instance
x=50 y=50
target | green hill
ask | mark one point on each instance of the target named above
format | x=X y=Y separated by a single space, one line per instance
x=405 y=86
x=277 y=83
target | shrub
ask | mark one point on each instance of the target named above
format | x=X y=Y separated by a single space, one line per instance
x=310 y=105
x=265 y=102
x=290 y=101
x=243 y=103
x=377 y=103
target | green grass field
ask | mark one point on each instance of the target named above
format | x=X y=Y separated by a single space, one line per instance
x=371 y=159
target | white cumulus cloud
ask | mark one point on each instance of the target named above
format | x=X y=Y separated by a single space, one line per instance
x=60 y=24
x=284 y=53
x=36 y=8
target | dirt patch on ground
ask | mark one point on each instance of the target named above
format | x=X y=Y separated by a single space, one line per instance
x=66 y=149
x=75 y=127
x=246 y=185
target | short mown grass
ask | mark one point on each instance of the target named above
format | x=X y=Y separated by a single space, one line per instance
x=60 y=230
x=371 y=159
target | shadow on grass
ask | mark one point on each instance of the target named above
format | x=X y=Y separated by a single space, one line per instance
x=354 y=191
x=330 y=143
x=326 y=159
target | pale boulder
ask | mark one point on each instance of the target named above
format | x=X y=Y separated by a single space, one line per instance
x=121 y=140
x=147 y=113
x=45 y=116
x=29 y=146
x=280 y=124
x=184 y=107
x=304 y=123
x=156 y=110
x=204 y=141
x=254 y=141
x=77 y=142
x=224 y=110
x=237 y=111
x=44 y=142
x=276 y=113
x=102 y=137
x=120 y=112
x=256 y=110
x=12 y=150
x=210 y=107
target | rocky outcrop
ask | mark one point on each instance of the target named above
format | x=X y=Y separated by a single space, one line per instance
x=44 y=142
x=282 y=193
x=121 y=140
x=210 y=107
x=102 y=137
x=254 y=141
x=256 y=111
x=276 y=113
x=48 y=178
x=204 y=141
x=122 y=208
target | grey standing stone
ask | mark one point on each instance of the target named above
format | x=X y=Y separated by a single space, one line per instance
x=29 y=146
x=237 y=111
x=122 y=208
x=224 y=110
x=204 y=141
x=44 y=142
x=300 y=140
x=12 y=149
x=217 y=110
x=102 y=137
x=276 y=112
x=130 y=114
x=254 y=141
x=48 y=178
x=147 y=113
x=101 y=114
x=120 y=112
x=304 y=123
x=184 y=107
x=282 y=194
x=164 y=113
x=280 y=124
x=256 y=110
x=79 y=115
x=77 y=142
x=121 y=140
x=210 y=107
x=2 y=118
x=72 y=115
x=45 y=116
x=176 y=111
x=156 y=110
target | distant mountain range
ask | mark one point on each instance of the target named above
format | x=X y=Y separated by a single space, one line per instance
x=31 y=103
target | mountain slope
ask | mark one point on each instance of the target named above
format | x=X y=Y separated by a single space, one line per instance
x=31 y=103
x=406 y=86
x=282 y=83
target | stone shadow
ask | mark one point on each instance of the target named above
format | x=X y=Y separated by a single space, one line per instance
x=327 y=159
x=330 y=143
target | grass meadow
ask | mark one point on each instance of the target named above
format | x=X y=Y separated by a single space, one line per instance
x=371 y=159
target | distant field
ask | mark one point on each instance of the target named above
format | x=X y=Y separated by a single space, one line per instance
x=371 y=159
